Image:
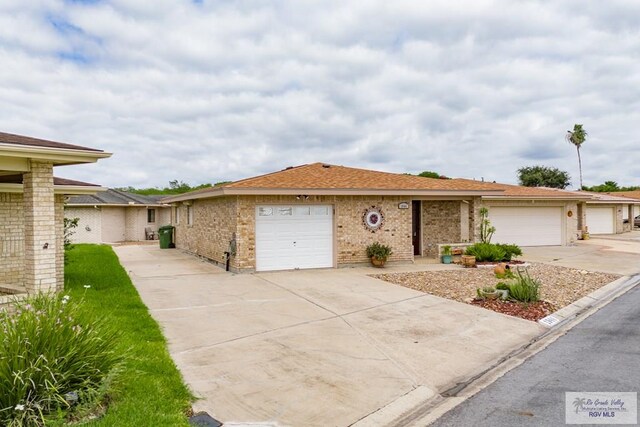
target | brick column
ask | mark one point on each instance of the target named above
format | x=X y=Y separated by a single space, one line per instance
x=474 y=219
x=40 y=270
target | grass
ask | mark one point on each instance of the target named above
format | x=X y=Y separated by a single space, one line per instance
x=149 y=390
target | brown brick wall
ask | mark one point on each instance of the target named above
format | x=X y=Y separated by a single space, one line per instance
x=440 y=224
x=216 y=219
x=11 y=239
x=214 y=222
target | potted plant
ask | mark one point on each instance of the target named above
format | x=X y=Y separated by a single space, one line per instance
x=488 y=292
x=378 y=253
x=468 y=261
x=446 y=254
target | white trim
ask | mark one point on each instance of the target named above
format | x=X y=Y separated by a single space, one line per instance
x=57 y=189
x=59 y=156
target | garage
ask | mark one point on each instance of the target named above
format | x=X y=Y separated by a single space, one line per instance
x=527 y=226
x=294 y=237
x=601 y=220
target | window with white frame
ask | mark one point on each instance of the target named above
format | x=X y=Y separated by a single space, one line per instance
x=151 y=216
x=176 y=214
x=189 y=215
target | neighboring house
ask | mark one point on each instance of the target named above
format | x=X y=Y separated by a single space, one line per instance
x=116 y=216
x=606 y=213
x=31 y=209
x=632 y=195
x=321 y=215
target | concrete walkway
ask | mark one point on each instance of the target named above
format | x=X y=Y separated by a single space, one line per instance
x=313 y=348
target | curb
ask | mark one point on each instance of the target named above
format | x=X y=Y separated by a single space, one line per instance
x=431 y=408
x=605 y=293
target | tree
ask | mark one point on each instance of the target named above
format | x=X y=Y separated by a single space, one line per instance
x=577 y=138
x=431 y=174
x=543 y=176
x=610 y=187
x=175 y=187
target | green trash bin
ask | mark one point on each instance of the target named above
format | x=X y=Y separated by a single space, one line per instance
x=166 y=236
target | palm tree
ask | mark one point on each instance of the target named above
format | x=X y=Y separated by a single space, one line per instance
x=577 y=138
x=579 y=403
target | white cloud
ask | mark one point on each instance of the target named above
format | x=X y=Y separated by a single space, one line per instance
x=225 y=90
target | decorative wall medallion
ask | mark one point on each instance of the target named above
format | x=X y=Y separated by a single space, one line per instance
x=373 y=218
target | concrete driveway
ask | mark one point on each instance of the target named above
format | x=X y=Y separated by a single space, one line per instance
x=323 y=347
x=617 y=254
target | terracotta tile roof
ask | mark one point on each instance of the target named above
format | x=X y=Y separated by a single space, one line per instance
x=17 y=179
x=516 y=191
x=325 y=176
x=632 y=194
x=611 y=198
x=322 y=176
x=9 y=138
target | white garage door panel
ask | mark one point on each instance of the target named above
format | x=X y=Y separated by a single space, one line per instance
x=290 y=237
x=526 y=226
x=600 y=220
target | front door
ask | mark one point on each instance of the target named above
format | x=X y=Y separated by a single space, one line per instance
x=415 y=227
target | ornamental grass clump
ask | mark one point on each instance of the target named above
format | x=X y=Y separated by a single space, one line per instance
x=54 y=356
x=524 y=288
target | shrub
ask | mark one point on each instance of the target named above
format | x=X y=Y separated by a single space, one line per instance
x=502 y=286
x=486 y=252
x=379 y=251
x=51 y=354
x=510 y=251
x=525 y=288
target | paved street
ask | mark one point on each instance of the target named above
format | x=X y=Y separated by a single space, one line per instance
x=600 y=354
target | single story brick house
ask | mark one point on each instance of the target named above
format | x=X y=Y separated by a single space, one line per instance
x=320 y=215
x=31 y=209
x=630 y=195
x=606 y=213
x=116 y=216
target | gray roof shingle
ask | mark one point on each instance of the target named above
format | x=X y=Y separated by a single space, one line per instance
x=115 y=197
x=13 y=139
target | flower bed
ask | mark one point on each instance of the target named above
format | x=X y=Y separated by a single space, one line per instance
x=561 y=286
x=529 y=311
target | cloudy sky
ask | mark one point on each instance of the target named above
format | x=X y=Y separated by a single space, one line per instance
x=204 y=91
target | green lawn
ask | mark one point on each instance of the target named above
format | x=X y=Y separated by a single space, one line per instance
x=149 y=391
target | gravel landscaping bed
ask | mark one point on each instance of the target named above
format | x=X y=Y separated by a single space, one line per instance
x=561 y=286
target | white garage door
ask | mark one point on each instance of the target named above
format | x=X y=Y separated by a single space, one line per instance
x=600 y=220
x=294 y=236
x=527 y=226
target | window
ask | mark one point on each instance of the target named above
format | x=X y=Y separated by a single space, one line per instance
x=189 y=215
x=265 y=211
x=176 y=214
x=286 y=211
x=151 y=216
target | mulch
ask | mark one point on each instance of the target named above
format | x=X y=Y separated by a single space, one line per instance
x=529 y=311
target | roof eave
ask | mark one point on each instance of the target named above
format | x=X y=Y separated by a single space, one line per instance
x=116 y=205
x=231 y=191
x=68 y=190
x=58 y=156
x=557 y=198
